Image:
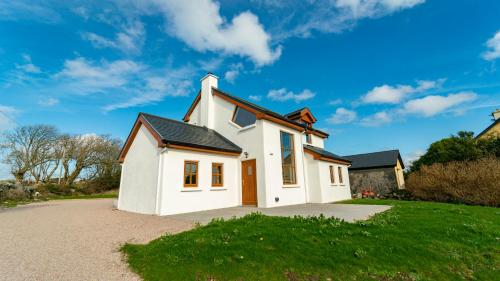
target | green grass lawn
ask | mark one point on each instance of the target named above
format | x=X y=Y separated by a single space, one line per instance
x=412 y=241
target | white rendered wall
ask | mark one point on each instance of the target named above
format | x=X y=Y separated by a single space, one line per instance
x=336 y=191
x=315 y=141
x=249 y=139
x=287 y=194
x=207 y=111
x=176 y=199
x=195 y=117
x=313 y=179
x=318 y=142
x=139 y=175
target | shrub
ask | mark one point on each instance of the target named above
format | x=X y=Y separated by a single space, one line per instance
x=469 y=182
x=52 y=188
x=16 y=194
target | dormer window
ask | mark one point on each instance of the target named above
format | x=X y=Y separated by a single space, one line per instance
x=243 y=117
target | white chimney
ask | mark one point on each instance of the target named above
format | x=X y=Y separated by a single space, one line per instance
x=496 y=114
x=208 y=82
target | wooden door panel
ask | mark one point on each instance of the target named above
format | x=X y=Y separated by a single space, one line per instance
x=249 y=182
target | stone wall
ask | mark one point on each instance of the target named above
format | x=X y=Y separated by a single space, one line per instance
x=381 y=180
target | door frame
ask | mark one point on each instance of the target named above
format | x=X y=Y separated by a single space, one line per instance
x=255 y=182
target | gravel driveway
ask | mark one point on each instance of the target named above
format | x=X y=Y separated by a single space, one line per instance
x=73 y=240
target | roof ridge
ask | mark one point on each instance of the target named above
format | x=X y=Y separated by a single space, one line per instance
x=390 y=150
x=176 y=121
x=296 y=111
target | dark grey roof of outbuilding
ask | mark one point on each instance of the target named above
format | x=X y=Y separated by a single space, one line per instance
x=324 y=153
x=180 y=133
x=375 y=159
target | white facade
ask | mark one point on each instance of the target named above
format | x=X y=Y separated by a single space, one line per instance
x=158 y=173
x=138 y=184
x=175 y=198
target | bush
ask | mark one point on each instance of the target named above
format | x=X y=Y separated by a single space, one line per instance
x=56 y=189
x=469 y=182
x=17 y=194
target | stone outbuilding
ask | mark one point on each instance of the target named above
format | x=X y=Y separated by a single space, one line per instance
x=380 y=172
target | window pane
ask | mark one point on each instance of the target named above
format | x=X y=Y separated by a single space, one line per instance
x=214 y=180
x=187 y=168
x=194 y=167
x=243 y=117
x=287 y=158
x=341 y=180
x=186 y=179
x=193 y=179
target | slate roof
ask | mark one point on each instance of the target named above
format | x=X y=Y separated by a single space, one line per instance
x=266 y=111
x=325 y=153
x=295 y=112
x=180 y=133
x=375 y=160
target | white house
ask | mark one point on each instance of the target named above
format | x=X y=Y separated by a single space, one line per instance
x=228 y=152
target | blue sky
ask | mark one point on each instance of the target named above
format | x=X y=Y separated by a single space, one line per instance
x=377 y=74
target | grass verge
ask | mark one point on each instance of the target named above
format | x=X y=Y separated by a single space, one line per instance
x=412 y=241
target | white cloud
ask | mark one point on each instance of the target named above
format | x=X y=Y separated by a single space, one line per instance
x=432 y=105
x=255 y=97
x=396 y=94
x=494 y=47
x=358 y=9
x=377 y=119
x=284 y=95
x=233 y=72
x=342 y=116
x=27 y=9
x=411 y=157
x=7 y=117
x=326 y=16
x=335 y=102
x=28 y=65
x=172 y=83
x=90 y=77
x=48 y=102
x=201 y=26
x=129 y=40
x=82 y=12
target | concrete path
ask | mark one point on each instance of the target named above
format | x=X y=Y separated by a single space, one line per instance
x=74 y=240
x=347 y=212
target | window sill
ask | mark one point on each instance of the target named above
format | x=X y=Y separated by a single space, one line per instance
x=191 y=189
x=241 y=129
x=291 y=186
x=215 y=188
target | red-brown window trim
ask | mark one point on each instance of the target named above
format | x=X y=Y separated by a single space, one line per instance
x=341 y=177
x=190 y=174
x=221 y=175
x=292 y=145
x=332 y=174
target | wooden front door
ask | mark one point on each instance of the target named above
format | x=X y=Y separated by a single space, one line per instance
x=249 y=182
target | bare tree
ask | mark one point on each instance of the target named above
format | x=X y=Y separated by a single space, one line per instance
x=27 y=147
x=90 y=154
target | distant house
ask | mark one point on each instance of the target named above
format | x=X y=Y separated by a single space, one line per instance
x=493 y=129
x=381 y=172
x=228 y=152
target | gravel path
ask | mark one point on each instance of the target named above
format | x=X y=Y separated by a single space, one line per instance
x=74 y=240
